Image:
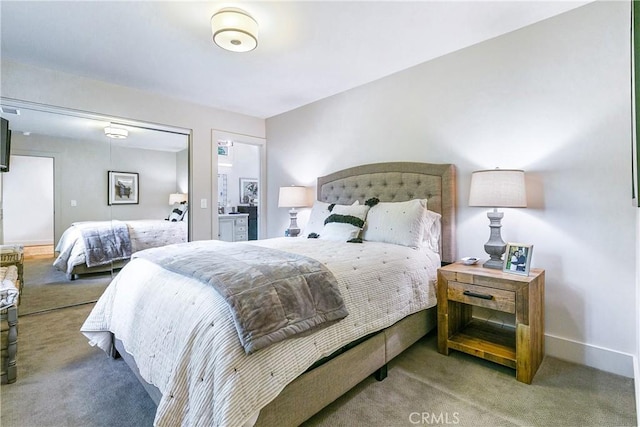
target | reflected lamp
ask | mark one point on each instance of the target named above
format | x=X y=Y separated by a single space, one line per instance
x=176 y=198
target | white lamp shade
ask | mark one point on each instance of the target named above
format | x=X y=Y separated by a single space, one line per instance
x=177 y=198
x=498 y=188
x=234 y=30
x=293 y=197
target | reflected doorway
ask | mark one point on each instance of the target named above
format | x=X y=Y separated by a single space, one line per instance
x=238 y=187
x=28 y=197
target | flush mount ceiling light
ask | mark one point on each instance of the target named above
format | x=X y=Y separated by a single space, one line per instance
x=116 y=133
x=234 y=30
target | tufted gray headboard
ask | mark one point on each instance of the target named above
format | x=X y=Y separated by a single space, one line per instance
x=399 y=182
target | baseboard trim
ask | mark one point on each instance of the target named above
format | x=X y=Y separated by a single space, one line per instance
x=636 y=384
x=30 y=242
x=597 y=357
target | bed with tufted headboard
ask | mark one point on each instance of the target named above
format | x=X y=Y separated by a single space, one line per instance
x=399 y=182
x=237 y=378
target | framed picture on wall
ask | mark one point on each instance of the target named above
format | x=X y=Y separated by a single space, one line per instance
x=123 y=188
x=248 y=191
x=517 y=258
x=225 y=154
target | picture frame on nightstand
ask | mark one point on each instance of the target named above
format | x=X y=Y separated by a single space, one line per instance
x=517 y=258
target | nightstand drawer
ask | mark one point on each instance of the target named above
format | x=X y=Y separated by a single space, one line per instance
x=482 y=296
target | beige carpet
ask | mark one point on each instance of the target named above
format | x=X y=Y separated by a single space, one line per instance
x=62 y=381
x=425 y=387
x=46 y=288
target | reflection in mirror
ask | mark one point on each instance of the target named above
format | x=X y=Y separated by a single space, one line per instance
x=222 y=192
x=111 y=197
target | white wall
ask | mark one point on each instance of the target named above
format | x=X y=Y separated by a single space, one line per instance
x=28 y=83
x=553 y=99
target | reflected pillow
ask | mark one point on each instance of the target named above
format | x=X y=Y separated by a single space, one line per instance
x=178 y=213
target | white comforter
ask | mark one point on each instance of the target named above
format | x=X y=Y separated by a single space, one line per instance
x=182 y=337
x=144 y=234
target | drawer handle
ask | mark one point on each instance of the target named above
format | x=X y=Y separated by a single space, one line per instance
x=477 y=295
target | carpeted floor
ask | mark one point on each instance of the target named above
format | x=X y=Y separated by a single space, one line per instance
x=62 y=381
x=46 y=288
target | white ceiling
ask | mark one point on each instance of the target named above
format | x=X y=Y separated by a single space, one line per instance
x=307 y=50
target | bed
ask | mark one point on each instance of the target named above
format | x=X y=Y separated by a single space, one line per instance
x=134 y=235
x=191 y=362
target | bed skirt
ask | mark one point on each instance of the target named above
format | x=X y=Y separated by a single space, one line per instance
x=317 y=388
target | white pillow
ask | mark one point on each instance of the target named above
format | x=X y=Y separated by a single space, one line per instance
x=400 y=223
x=432 y=231
x=319 y=212
x=346 y=224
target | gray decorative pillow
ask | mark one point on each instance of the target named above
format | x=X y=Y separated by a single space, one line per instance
x=177 y=214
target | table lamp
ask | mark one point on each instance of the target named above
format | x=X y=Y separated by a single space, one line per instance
x=293 y=197
x=175 y=198
x=497 y=188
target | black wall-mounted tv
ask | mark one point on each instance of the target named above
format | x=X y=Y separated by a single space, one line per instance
x=5 y=145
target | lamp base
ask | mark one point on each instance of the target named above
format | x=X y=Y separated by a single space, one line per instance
x=293 y=232
x=493 y=263
x=495 y=247
x=293 y=229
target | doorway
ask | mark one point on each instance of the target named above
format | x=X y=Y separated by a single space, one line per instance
x=240 y=182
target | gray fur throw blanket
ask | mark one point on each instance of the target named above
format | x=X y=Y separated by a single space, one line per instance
x=272 y=294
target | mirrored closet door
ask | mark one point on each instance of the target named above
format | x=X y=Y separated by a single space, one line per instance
x=117 y=186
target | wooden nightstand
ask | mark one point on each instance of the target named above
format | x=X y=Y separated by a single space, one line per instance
x=460 y=287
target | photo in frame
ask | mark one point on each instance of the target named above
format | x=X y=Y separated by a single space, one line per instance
x=123 y=188
x=225 y=155
x=517 y=258
x=248 y=191
x=223 y=150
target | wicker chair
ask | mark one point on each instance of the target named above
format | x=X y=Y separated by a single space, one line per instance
x=13 y=255
x=11 y=268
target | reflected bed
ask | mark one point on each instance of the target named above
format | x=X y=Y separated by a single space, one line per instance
x=137 y=235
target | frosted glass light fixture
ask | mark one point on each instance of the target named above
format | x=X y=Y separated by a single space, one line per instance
x=293 y=197
x=116 y=133
x=235 y=30
x=497 y=188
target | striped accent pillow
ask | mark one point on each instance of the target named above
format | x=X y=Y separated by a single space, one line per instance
x=177 y=214
x=344 y=223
